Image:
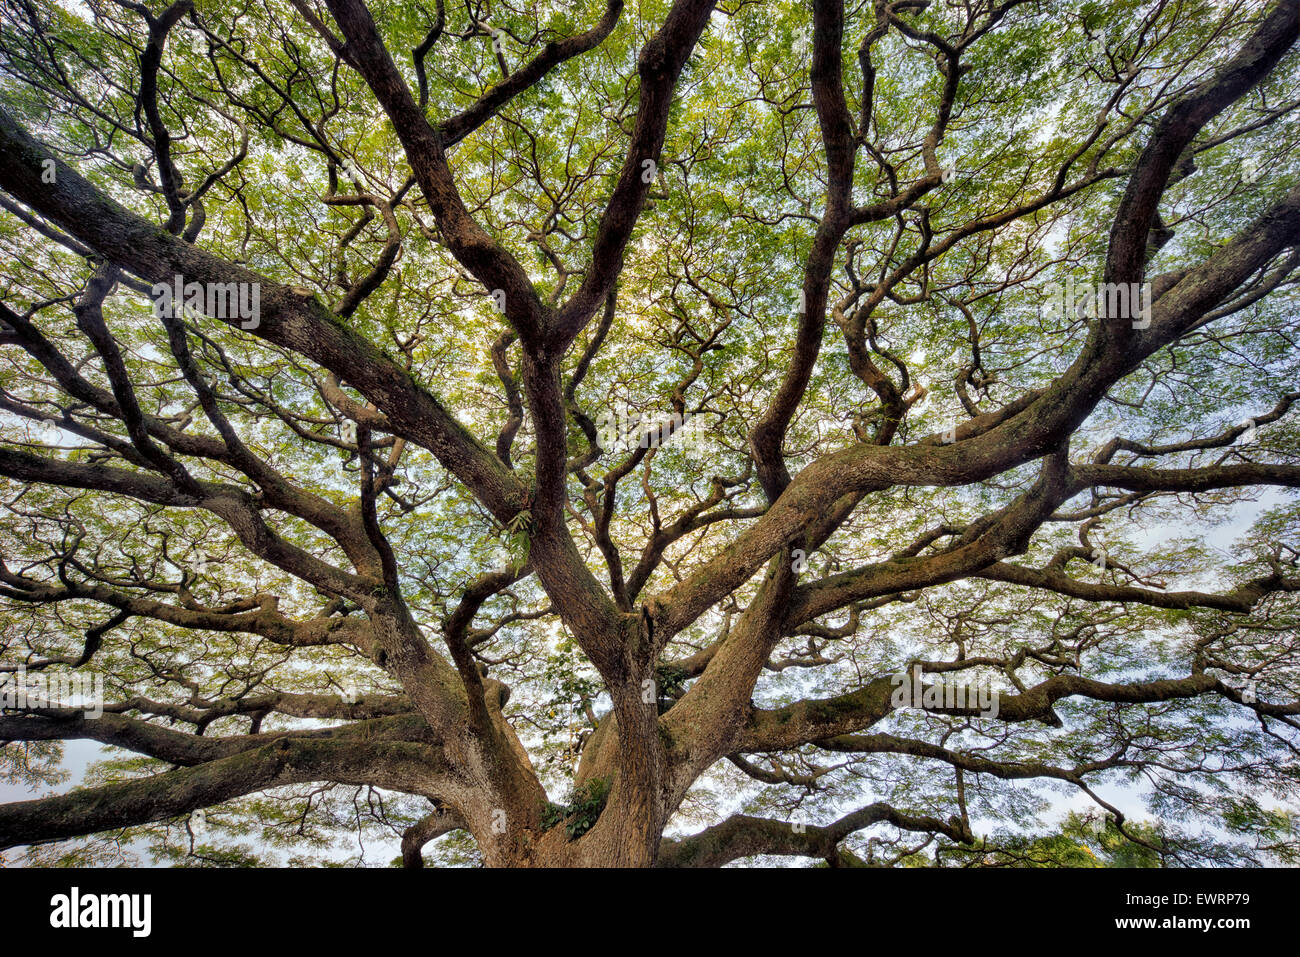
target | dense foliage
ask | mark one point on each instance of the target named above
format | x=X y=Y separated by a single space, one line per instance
x=634 y=391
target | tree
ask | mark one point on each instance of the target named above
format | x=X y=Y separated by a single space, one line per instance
x=550 y=425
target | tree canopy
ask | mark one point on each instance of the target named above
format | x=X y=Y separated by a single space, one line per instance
x=607 y=433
